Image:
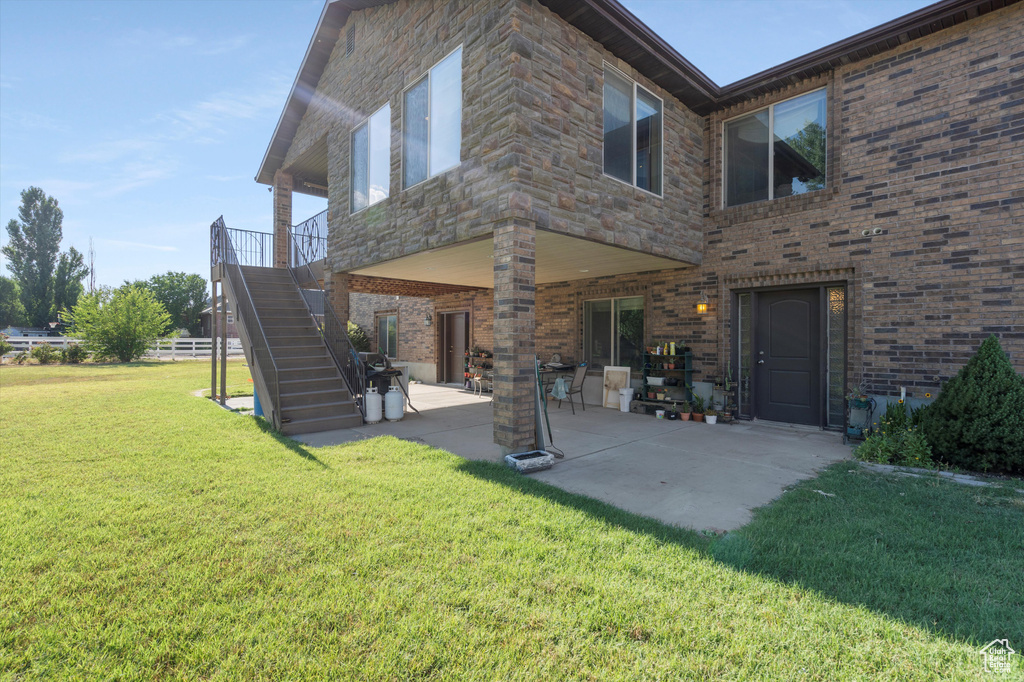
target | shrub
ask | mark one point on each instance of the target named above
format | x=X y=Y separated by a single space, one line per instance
x=44 y=354
x=121 y=324
x=5 y=347
x=360 y=341
x=977 y=422
x=73 y=354
x=896 y=441
x=21 y=357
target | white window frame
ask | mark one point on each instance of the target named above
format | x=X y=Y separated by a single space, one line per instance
x=351 y=156
x=632 y=156
x=771 y=146
x=430 y=93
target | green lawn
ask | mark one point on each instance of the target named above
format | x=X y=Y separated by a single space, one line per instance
x=146 y=533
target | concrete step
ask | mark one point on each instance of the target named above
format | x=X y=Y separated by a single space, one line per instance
x=311 y=371
x=299 y=398
x=321 y=424
x=339 y=408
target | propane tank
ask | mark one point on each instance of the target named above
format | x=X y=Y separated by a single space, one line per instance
x=373 y=405
x=394 y=405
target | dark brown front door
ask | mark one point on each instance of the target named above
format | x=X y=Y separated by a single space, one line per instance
x=454 y=341
x=787 y=356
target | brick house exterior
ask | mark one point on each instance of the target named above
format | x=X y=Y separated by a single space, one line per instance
x=912 y=250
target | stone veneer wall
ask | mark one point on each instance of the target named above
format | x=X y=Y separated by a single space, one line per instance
x=557 y=81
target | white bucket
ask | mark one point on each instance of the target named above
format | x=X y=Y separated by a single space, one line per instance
x=659 y=414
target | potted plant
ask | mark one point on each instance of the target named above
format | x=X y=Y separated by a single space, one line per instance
x=684 y=411
x=698 y=408
x=711 y=416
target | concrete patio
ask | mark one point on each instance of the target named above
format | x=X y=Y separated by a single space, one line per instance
x=688 y=474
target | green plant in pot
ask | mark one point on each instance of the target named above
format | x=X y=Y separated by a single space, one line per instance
x=684 y=410
x=711 y=416
x=698 y=408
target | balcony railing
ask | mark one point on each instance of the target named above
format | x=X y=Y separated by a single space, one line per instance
x=309 y=241
x=249 y=248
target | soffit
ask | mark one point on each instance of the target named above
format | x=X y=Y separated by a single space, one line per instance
x=559 y=258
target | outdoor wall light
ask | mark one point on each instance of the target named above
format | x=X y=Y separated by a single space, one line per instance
x=702 y=304
x=428 y=320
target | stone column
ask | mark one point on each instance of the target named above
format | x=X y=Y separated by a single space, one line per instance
x=514 y=345
x=336 y=292
x=282 y=217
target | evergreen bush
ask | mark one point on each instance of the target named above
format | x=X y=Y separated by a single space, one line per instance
x=977 y=422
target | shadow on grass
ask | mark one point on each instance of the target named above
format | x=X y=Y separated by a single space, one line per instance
x=287 y=442
x=602 y=511
x=933 y=554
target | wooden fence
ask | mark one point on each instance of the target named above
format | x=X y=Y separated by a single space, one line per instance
x=164 y=348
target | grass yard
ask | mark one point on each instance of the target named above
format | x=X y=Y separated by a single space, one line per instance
x=146 y=533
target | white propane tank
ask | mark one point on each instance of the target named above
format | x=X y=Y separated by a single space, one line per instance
x=373 y=405
x=394 y=404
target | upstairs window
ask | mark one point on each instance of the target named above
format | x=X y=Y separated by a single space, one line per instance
x=632 y=132
x=432 y=125
x=371 y=160
x=792 y=163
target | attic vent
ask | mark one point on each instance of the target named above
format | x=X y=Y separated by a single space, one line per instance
x=350 y=40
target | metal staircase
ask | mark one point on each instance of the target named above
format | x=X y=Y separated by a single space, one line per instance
x=307 y=378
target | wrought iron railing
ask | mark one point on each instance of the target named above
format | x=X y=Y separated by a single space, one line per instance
x=250 y=248
x=332 y=329
x=309 y=241
x=223 y=252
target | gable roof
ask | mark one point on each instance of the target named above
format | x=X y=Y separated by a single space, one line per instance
x=328 y=30
x=628 y=38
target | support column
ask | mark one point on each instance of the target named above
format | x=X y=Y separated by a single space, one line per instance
x=336 y=291
x=224 y=346
x=514 y=345
x=213 y=341
x=282 y=217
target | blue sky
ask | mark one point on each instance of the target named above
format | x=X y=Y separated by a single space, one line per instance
x=147 y=120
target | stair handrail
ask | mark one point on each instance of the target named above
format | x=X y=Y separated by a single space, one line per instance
x=223 y=254
x=332 y=330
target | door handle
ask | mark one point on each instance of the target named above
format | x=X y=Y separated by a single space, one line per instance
x=760 y=362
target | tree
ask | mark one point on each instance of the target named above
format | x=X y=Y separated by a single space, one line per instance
x=12 y=311
x=183 y=296
x=119 y=324
x=67 y=281
x=977 y=422
x=32 y=252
